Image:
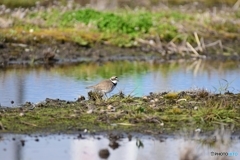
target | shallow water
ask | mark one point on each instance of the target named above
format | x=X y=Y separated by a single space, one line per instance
x=139 y=147
x=68 y=82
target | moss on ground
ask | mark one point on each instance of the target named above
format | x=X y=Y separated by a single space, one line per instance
x=164 y=112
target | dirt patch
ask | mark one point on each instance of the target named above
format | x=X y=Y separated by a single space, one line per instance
x=155 y=113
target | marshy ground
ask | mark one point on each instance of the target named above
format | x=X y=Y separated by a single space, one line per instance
x=153 y=114
x=63 y=34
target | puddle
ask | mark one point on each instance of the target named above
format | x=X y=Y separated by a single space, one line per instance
x=137 y=147
x=137 y=78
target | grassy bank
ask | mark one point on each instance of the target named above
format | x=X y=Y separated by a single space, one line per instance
x=161 y=30
x=118 y=3
x=165 y=112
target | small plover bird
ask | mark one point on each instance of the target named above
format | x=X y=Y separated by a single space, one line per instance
x=105 y=86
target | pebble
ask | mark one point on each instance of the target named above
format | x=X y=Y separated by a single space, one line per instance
x=27 y=50
x=104 y=153
x=109 y=107
x=145 y=97
x=152 y=101
x=152 y=105
x=89 y=111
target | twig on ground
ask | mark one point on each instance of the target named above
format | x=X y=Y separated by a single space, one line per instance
x=198 y=42
x=185 y=48
x=193 y=50
x=29 y=124
x=218 y=42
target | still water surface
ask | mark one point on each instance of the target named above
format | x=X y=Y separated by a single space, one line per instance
x=35 y=84
x=69 y=147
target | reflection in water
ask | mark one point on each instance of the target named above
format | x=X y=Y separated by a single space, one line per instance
x=136 y=78
x=69 y=147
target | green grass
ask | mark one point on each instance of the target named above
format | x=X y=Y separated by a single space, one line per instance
x=122 y=27
x=88 y=26
x=108 y=22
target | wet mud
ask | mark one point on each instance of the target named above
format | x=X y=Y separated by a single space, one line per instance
x=17 y=54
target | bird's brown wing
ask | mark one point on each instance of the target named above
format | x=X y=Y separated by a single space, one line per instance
x=101 y=85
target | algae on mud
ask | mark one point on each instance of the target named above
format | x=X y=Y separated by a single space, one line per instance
x=155 y=113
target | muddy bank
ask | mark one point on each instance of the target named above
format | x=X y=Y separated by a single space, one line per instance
x=199 y=111
x=61 y=53
x=17 y=54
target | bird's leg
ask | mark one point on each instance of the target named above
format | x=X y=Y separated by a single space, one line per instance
x=106 y=95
